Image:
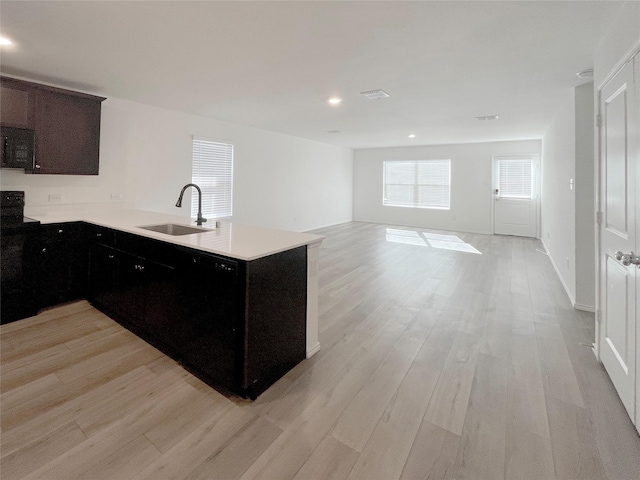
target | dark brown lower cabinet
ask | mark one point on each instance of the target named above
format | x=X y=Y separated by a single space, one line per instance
x=61 y=263
x=237 y=325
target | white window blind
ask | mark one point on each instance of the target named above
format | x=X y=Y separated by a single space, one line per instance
x=212 y=171
x=515 y=178
x=417 y=183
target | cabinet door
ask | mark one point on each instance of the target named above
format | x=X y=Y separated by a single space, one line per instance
x=160 y=303
x=16 y=103
x=67 y=133
x=102 y=276
x=54 y=277
x=129 y=290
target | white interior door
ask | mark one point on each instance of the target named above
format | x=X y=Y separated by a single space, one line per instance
x=515 y=196
x=618 y=323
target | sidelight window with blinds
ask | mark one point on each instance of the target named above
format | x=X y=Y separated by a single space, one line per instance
x=417 y=183
x=212 y=171
x=515 y=179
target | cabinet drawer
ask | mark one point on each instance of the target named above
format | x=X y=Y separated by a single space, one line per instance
x=101 y=235
x=147 y=248
x=62 y=232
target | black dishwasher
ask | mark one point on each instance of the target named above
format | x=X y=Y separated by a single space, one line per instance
x=19 y=237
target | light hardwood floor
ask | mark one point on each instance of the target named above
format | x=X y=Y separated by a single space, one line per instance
x=444 y=355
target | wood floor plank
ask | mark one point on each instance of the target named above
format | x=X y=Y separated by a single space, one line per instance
x=232 y=461
x=41 y=451
x=448 y=405
x=390 y=443
x=172 y=430
x=574 y=446
x=211 y=436
x=331 y=460
x=19 y=396
x=558 y=375
x=124 y=463
x=528 y=456
x=36 y=426
x=104 y=445
x=432 y=455
x=63 y=393
x=360 y=418
x=288 y=453
x=481 y=454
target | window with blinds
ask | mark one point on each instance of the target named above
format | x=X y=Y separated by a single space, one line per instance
x=212 y=171
x=515 y=179
x=417 y=183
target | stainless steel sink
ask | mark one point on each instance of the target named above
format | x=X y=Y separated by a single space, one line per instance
x=174 y=229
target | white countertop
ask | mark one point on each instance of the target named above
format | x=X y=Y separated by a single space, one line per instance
x=233 y=240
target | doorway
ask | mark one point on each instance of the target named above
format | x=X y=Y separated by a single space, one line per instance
x=515 y=195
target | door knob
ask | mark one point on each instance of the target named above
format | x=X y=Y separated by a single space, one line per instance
x=627 y=258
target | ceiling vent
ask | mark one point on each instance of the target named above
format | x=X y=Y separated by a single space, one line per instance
x=588 y=73
x=375 y=94
x=488 y=117
x=334 y=131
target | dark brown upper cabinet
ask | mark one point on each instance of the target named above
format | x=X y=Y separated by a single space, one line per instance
x=66 y=125
x=16 y=103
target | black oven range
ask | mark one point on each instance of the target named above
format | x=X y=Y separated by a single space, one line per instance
x=18 y=236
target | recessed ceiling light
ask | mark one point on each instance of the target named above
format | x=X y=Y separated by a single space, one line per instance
x=335 y=100
x=413 y=135
x=5 y=41
x=488 y=117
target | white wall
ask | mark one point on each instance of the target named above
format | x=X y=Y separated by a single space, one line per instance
x=471 y=185
x=623 y=36
x=558 y=199
x=145 y=154
x=585 y=198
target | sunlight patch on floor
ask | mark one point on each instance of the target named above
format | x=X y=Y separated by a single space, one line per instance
x=426 y=239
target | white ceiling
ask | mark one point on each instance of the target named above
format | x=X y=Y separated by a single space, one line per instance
x=273 y=65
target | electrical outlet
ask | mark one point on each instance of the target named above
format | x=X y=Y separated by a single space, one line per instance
x=55 y=197
x=116 y=197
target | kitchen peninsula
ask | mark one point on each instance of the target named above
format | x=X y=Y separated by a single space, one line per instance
x=236 y=305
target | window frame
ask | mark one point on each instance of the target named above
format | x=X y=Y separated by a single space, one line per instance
x=210 y=193
x=498 y=176
x=416 y=185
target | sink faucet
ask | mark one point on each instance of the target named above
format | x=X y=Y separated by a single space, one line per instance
x=200 y=220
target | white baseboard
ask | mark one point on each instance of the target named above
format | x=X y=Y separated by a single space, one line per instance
x=585 y=308
x=557 y=270
x=313 y=350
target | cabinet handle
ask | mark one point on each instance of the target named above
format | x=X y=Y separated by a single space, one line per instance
x=98 y=234
x=44 y=250
x=60 y=230
x=37 y=166
x=141 y=268
x=111 y=256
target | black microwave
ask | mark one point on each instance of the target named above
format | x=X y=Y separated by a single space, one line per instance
x=18 y=148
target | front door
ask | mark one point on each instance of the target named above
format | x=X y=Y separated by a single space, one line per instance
x=515 y=197
x=619 y=159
